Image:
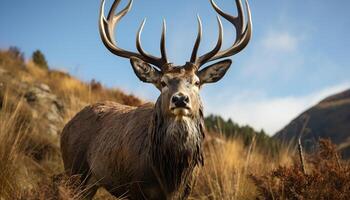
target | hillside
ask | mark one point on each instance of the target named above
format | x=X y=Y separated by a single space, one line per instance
x=35 y=104
x=330 y=118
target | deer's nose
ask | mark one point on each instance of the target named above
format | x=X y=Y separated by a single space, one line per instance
x=180 y=100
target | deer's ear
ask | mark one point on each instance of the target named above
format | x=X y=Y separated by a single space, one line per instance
x=144 y=71
x=214 y=72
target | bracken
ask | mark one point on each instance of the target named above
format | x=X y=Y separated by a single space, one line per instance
x=327 y=177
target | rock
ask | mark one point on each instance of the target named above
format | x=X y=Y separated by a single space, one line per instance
x=47 y=106
x=44 y=87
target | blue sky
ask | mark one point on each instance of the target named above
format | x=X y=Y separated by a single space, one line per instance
x=298 y=55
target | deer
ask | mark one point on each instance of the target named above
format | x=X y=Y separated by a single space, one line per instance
x=150 y=151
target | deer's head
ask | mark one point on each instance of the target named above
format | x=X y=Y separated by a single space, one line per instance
x=179 y=85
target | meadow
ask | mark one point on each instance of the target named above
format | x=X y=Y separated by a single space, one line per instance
x=31 y=165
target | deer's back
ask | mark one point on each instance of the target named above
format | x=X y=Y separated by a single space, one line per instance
x=106 y=137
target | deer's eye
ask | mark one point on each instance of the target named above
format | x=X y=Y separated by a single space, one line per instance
x=197 y=83
x=163 y=84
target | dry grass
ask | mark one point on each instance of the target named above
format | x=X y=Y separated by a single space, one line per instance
x=30 y=160
x=228 y=164
x=26 y=157
x=62 y=84
x=70 y=88
x=11 y=134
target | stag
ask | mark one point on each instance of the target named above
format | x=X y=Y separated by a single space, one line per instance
x=150 y=151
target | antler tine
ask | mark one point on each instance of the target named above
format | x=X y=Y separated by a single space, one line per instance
x=237 y=21
x=159 y=62
x=107 y=27
x=243 y=35
x=138 y=41
x=113 y=19
x=162 y=43
x=198 y=41
x=206 y=57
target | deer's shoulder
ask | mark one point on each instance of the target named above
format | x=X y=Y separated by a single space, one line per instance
x=110 y=107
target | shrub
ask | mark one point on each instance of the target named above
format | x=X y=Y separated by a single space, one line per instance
x=12 y=59
x=326 y=178
x=16 y=53
x=39 y=59
x=95 y=85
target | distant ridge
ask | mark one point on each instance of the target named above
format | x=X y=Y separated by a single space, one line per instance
x=330 y=118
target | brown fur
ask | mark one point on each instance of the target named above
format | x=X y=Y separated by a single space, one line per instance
x=147 y=152
x=131 y=151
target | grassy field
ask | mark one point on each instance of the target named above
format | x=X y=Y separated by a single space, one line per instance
x=31 y=165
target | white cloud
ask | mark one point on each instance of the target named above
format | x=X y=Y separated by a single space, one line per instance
x=275 y=52
x=270 y=113
x=280 y=41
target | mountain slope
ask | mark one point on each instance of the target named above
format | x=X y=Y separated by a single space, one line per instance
x=328 y=119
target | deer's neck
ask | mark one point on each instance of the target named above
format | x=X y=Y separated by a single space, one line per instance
x=176 y=147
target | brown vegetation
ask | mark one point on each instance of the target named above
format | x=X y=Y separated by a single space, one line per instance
x=326 y=177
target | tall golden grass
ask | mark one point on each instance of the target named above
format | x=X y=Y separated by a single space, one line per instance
x=30 y=160
x=225 y=174
x=228 y=166
x=10 y=141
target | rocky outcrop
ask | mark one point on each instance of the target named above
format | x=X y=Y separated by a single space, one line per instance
x=42 y=103
x=45 y=105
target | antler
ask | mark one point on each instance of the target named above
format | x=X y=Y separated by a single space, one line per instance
x=243 y=35
x=107 y=28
